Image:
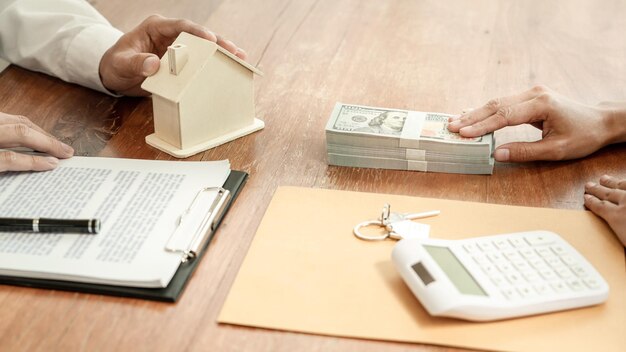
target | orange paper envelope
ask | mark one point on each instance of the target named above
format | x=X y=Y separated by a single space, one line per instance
x=307 y=272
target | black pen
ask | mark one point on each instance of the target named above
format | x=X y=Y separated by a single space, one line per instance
x=43 y=225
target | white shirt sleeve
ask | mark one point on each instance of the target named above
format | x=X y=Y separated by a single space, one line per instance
x=63 y=38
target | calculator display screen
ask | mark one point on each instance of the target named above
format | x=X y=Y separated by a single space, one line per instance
x=457 y=273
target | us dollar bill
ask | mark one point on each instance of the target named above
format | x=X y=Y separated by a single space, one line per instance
x=365 y=136
x=436 y=127
x=392 y=122
x=355 y=118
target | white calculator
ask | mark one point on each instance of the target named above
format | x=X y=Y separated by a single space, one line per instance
x=498 y=277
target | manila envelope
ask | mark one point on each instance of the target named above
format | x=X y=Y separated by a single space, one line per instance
x=305 y=271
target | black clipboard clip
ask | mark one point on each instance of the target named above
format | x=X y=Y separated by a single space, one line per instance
x=204 y=231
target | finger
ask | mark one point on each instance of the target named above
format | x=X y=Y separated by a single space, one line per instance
x=452 y=119
x=612 y=182
x=20 y=135
x=165 y=30
x=530 y=111
x=604 y=193
x=227 y=44
x=12 y=161
x=14 y=119
x=241 y=54
x=527 y=151
x=159 y=27
x=134 y=67
x=147 y=63
x=463 y=112
x=493 y=106
x=599 y=207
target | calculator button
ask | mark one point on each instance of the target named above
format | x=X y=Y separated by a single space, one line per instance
x=575 y=284
x=521 y=265
x=554 y=262
x=486 y=246
x=592 y=283
x=568 y=259
x=512 y=255
x=505 y=267
x=548 y=274
x=526 y=291
x=528 y=253
x=559 y=287
x=531 y=276
x=510 y=293
x=579 y=271
x=515 y=279
x=502 y=244
x=489 y=269
x=542 y=289
x=517 y=242
x=544 y=252
x=559 y=250
x=499 y=281
x=564 y=272
x=495 y=257
x=538 y=264
x=538 y=239
x=470 y=248
x=480 y=259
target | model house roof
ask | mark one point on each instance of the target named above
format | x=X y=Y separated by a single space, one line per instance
x=198 y=53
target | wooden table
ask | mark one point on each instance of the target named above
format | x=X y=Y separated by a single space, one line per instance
x=413 y=54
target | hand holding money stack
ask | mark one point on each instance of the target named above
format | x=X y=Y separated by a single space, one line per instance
x=362 y=136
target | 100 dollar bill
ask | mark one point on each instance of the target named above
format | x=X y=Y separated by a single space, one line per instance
x=409 y=127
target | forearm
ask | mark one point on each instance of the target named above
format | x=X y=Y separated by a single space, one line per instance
x=63 y=38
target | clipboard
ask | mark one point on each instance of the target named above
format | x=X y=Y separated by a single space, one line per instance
x=192 y=256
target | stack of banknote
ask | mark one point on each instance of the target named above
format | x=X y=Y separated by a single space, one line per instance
x=362 y=136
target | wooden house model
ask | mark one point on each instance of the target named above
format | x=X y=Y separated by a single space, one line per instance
x=202 y=96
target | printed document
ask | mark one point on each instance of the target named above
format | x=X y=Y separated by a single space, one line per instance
x=139 y=204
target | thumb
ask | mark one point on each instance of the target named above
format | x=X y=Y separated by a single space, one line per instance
x=140 y=65
x=525 y=151
x=150 y=64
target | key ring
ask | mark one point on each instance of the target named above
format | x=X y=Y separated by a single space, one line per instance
x=386 y=219
x=358 y=233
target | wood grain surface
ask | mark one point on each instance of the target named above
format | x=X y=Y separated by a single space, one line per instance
x=423 y=55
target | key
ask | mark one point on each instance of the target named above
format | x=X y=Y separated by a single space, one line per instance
x=542 y=289
x=398 y=225
x=559 y=287
x=538 y=239
x=592 y=283
x=408 y=229
x=512 y=255
x=526 y=291
x=489 y=269
x=531 y=276
x=486 y=246
x=517 y=242
x=495 y=257
x=499 y=281
x=393 y=217
x=480 y=260
x=579 y=271
x=470 y=248
x=575 y=284
x=502 y=244
x=510 y=293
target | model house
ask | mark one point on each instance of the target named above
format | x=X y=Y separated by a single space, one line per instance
x=202 y=96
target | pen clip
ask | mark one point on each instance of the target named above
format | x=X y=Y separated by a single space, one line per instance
x=204 y=231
